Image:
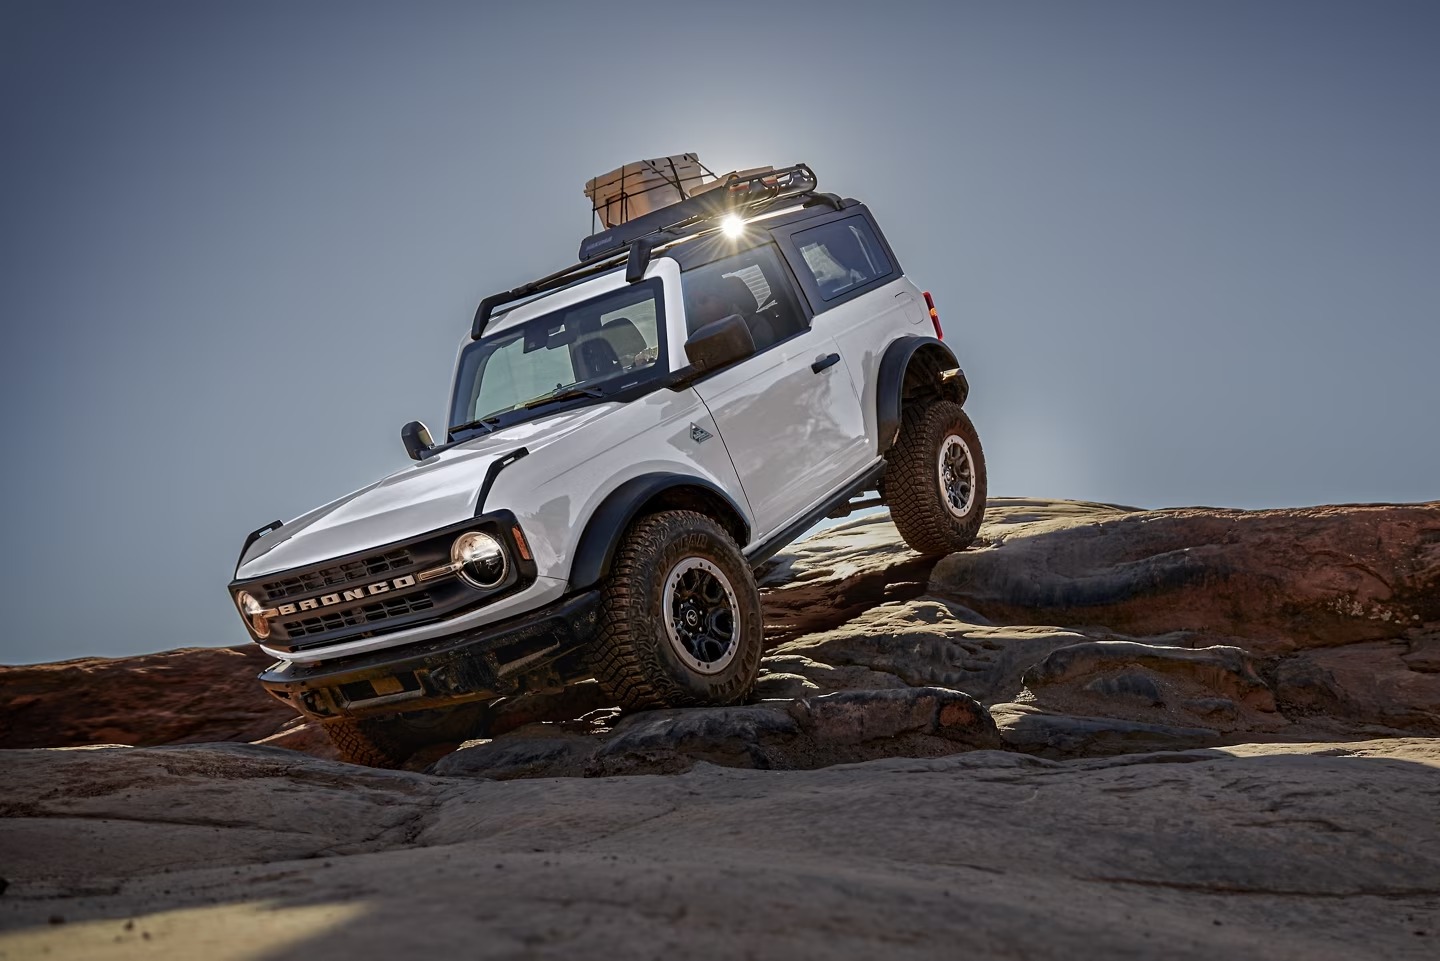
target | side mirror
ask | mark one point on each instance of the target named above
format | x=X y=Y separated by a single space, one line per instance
x=719 y=343
x=416 y=438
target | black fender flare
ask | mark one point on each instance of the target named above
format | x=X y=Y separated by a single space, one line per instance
x=890 y=383
x=597 y=546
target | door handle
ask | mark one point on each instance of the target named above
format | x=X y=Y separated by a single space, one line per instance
x=829 y=360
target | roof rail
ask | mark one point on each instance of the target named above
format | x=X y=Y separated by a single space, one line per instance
x=609 y=248
x=549 y=282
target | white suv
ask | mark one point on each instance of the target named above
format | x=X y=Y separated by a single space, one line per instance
x=628 y=439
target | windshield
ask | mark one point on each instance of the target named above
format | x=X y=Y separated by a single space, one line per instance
x=598 y=348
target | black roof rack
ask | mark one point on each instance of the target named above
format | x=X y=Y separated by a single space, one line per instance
x=737 y=195
x=603 y=251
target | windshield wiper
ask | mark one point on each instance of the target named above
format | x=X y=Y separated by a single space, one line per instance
x=491 y=423
x=567 y=393
x=486 y=422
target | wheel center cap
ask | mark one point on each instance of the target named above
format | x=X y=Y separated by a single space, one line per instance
x=691 y=618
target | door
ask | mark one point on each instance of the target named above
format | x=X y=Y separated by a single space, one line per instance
x=789 y=415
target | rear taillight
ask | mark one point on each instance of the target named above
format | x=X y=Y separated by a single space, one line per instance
x=934 y=316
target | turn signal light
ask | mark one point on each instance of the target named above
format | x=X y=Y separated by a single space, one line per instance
x=934 y=316
x=520 y=544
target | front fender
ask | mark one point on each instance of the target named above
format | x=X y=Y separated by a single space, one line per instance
x=620 y=507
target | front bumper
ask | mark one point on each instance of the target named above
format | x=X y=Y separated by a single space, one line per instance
x=493 y=661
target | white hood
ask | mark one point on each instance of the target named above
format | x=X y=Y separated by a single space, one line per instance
x=432 y=494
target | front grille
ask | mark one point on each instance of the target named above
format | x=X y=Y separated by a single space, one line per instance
x=384 y=588
x=310 y=582
x=359 y=615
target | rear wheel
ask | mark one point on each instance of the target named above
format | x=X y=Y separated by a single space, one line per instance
x=935 y=479
x=391 y=741
x=680 y=617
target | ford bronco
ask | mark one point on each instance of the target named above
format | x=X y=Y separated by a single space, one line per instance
x=628 y=439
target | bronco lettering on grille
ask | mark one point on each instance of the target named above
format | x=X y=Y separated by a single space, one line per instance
x=347 y=596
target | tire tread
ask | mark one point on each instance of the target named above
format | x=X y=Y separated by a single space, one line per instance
x=625 y=656
x=912 y=489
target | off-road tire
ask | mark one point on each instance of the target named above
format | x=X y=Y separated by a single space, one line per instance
x=390 y=741
x=919 y=504
x=633 y=657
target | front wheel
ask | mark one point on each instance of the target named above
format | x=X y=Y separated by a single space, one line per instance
x=935 y=479
x=680 y=617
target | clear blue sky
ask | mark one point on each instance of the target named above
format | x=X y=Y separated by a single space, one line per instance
x=1189 y=252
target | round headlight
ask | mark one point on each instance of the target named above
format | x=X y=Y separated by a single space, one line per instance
x=481 y=559
x=254 y=613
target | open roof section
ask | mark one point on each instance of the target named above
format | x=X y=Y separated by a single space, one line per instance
x=635 y=239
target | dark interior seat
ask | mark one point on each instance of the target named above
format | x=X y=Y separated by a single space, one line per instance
x=738 y=295
x=597 y=358
x=626 y=339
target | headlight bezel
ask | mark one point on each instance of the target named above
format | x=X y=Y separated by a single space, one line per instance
x=466 y=554
x=251 y=612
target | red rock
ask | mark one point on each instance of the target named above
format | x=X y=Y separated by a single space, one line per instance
x=1283 y=580
x=190 y=695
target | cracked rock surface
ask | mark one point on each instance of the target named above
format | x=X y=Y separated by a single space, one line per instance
x=1298 y=851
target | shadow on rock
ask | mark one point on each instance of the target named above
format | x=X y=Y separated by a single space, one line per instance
x=800 y=734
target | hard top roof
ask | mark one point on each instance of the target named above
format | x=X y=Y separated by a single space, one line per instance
x=791 y=193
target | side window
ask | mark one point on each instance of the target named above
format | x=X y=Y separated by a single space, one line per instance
x=842 y=255
x=752 y=284
x=631 y=332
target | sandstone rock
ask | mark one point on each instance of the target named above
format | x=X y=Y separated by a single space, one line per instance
x=190 y=695
x=1225 y=670
x=803 y=733
x=307 y=737
x=1121 y=605
x=1300 y=852
x=511 y=713
x=1374 y=683
x=824 y=581
x=1105 y=666
x=885 y=823
x=533 y=751
x=1025 y=727
x=779 y=685
x=817 y=676
x=670 y=741
x=925 y=642
x=1221 y=707
x=79 y=813
x=1282 y=580
x=1168 y=688
x=1424 y=659
x=854 y=717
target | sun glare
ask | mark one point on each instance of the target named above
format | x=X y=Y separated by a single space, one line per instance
x=732 y=225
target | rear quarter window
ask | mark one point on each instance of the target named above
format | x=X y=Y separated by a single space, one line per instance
x=842 y=255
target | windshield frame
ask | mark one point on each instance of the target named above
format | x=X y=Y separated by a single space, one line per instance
x=624 y=385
